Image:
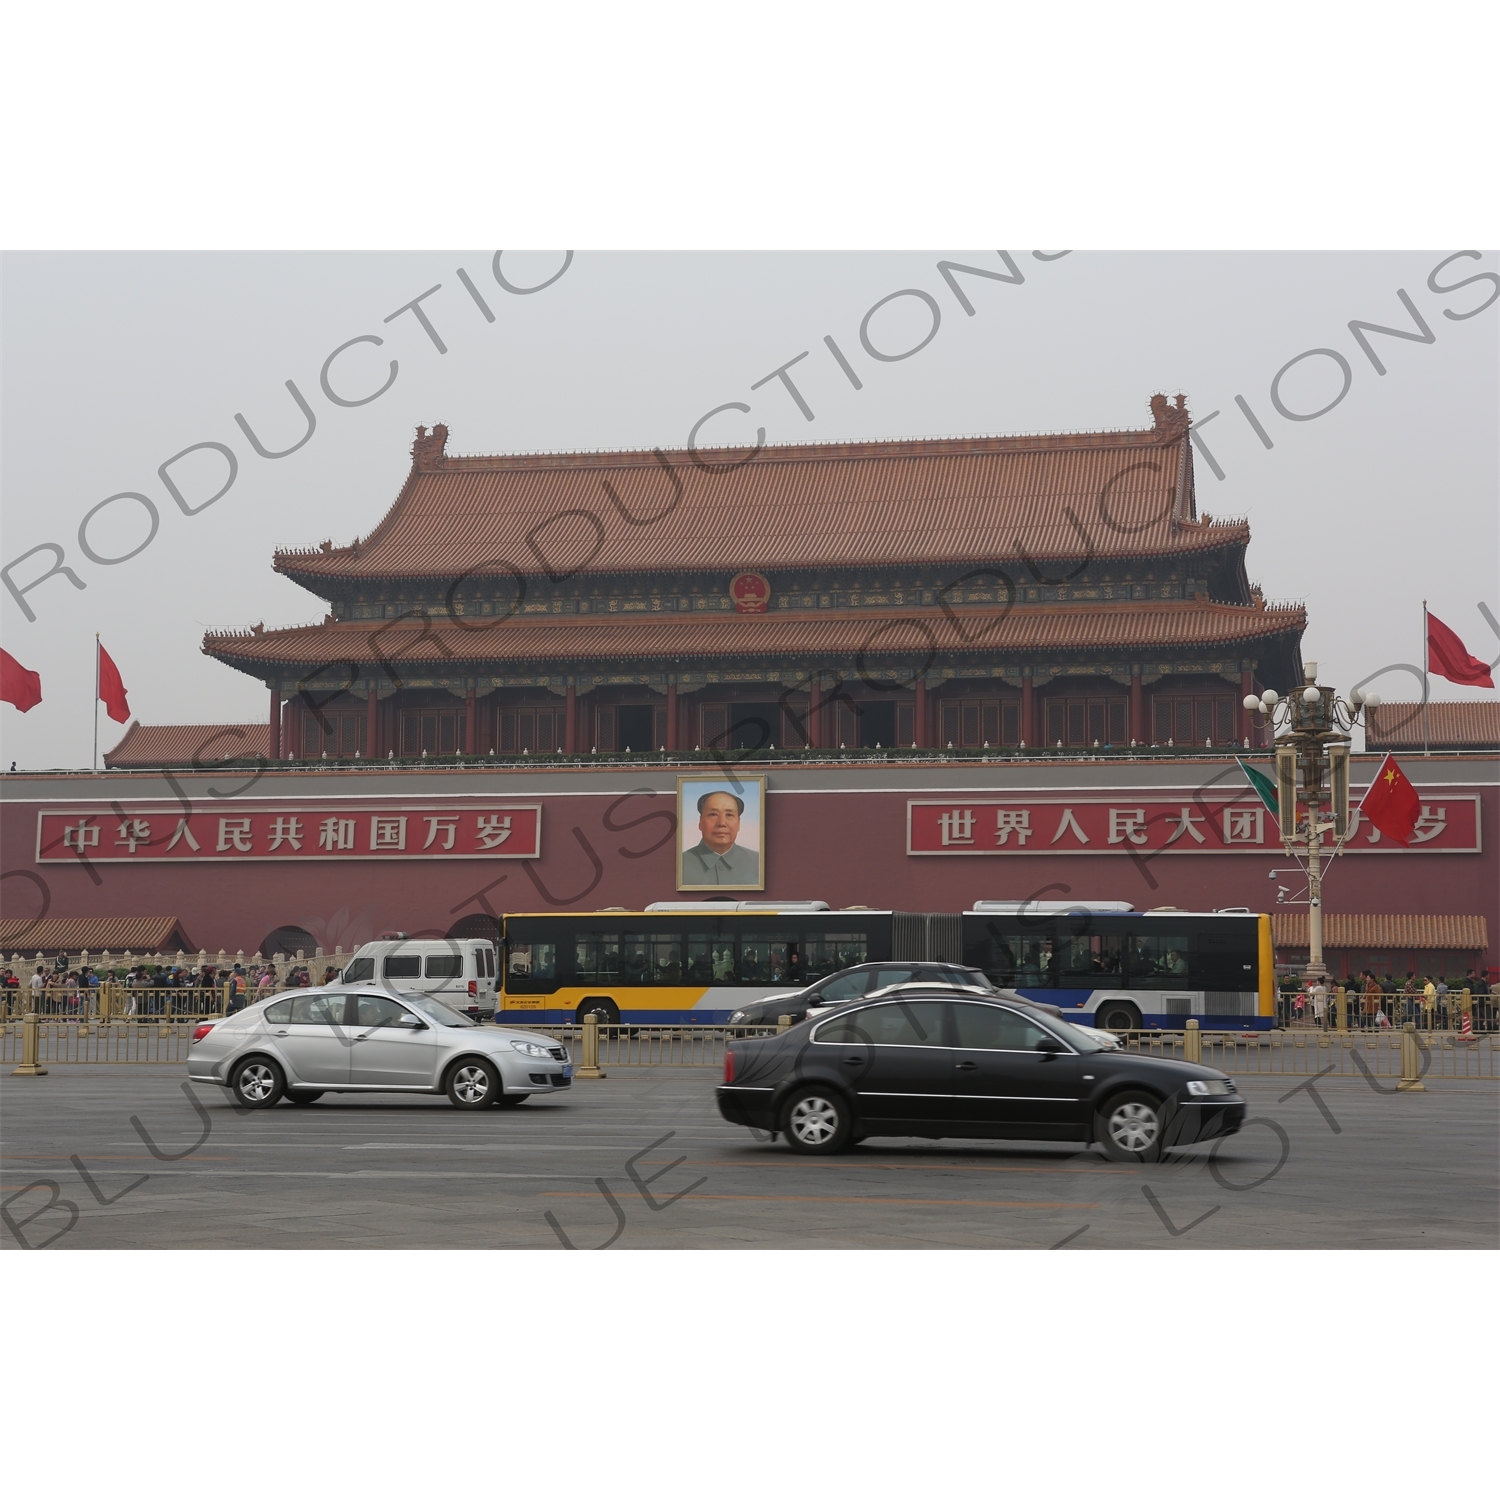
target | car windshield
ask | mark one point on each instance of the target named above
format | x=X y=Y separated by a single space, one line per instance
x=1081 y=1037
x=434 y=1010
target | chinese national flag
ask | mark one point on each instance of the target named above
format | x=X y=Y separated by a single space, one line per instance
x=1447 y=656
x=1392 y=804
x=17 y=685
x=112 y=689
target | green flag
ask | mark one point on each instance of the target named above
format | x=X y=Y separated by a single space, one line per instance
x=1265 y=788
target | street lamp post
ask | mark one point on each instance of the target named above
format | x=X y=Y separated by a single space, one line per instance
x=1312 y=770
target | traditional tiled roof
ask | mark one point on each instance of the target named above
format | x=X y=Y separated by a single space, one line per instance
x=1369 y=930
x=92 y=935
x=1442 y=726
x=1169 y=625
x=187 y=744
x=931 y=501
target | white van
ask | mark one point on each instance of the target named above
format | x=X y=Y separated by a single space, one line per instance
x=458 y=971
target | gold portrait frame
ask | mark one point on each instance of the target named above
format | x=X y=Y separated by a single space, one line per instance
x=749 y=790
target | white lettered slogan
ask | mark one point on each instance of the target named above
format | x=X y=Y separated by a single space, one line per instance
x=119 y=834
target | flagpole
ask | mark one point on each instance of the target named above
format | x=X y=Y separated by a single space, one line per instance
x=96 y=701
x=1426 y=685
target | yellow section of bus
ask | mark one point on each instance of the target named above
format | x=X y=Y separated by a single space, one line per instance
x=1267 y=967
x=684 y=998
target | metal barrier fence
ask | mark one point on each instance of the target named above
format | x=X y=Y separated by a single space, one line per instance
x=85 y=1042
x=1304 y=1054
x=113 y=1001
x=1350 y=1009
x=189 y=966
x=647 y=1046
x=1404 y=1055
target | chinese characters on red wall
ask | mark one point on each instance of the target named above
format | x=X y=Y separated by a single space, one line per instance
x=119 y=834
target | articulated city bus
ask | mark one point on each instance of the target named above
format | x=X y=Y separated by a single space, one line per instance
x=680 y=962
x=1106 y=965
x=677 y=962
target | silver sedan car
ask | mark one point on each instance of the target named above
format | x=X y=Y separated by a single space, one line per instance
x=361 y=1039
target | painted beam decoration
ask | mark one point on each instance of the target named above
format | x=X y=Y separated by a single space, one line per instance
x=147 y=834
x=1186 y=824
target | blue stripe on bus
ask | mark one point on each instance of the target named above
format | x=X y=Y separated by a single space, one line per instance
x=1155 y=1021
x=1072 y=1003
x=627 y=1017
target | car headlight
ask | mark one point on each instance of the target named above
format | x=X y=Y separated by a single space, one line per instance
x=1201 y=1086
x=736 y=1017
x=531 y=1049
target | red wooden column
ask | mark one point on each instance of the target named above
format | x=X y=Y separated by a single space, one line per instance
x=815 y=715
x=672 y=714
x=1137 y=707
x=469 y=717
x=1028 y=709
x=1245 y=715
x=570 y=720
x=919 y=718
x=275 y=723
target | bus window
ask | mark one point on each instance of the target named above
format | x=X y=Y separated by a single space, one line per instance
x=1158 y=959
x=533 y=961
x=766 y=958
x=666 y=958
x=596 y=958
x=1034 y=968
x=722 y=954
x=1084 y=962
x=700 y=960
x=1014 y=954
x=635 y=958
x=825 y=953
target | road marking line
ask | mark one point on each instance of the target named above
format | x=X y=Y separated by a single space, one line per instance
x=902 y=1166
x=818 y=1198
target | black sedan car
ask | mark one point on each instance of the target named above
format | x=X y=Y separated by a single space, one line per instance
x=854 y=984
x=939 y=1064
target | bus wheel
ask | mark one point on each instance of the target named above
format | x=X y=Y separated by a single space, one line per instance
x=605 y=1011
x=1117 y=1015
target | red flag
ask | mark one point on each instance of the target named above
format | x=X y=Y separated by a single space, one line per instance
x=112 y=689
x=17 y=685
x=1447 y=656
x=1392 y=804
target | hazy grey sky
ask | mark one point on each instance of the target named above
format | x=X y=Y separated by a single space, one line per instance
x=113 y=363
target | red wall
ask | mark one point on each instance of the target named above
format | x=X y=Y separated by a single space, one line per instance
x=846 y=847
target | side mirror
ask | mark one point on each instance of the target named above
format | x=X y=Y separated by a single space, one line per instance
x=411 y=1023
x=1049 y=1046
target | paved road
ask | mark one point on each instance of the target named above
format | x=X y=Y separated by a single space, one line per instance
x=1398 y=1172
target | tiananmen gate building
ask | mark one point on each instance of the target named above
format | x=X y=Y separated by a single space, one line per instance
x=952 y=670
x=961 y=592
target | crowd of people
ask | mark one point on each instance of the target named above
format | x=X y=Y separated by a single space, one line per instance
x=1375 y=1001
x=72 y=994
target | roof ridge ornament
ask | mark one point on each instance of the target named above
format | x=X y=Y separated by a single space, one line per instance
x=1170 y=421
x=428 y=451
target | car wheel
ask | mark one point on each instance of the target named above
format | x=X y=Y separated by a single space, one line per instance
x=474 y=1084
x=303 y=1096
x=817 y=1121
x=1131 y=1126
x=258 y=1083
x=511 y=1101
x=1117 y=1015
x=606 y=1012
